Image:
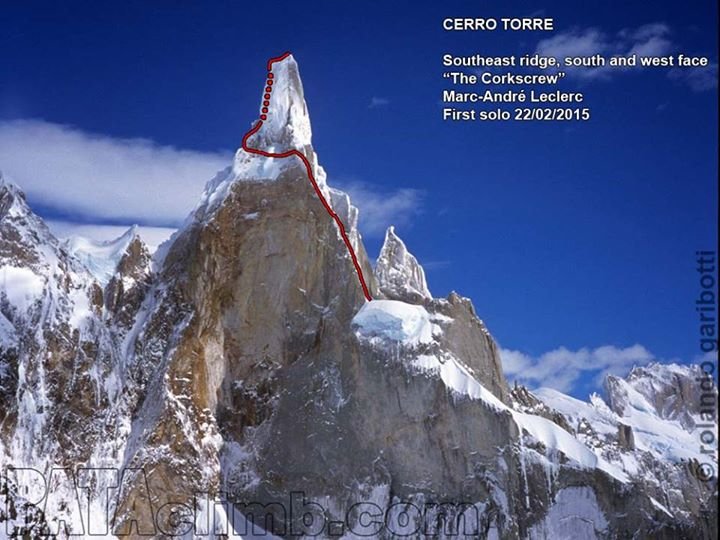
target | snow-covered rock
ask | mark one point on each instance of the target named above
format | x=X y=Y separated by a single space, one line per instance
x=666 y=391
x=649 y=431
x=666 y=439
x=21 y=287
x=286 y=128
x=398 y=272
x=101 y=258
x=395 y=321
x=288 y=122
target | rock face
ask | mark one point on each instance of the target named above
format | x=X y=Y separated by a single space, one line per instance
x=626 y=439
x=399 y=275
x=243 y=365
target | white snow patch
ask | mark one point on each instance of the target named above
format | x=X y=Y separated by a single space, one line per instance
x=81 y=307
x=20 y=286
x=597 y=413
x=152 y=236
x=395 y=321
x=660 y=507
x=8 y=335
x=246 y=168
x=457 y=378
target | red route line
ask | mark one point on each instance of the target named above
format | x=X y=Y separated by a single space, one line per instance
x=310 y=174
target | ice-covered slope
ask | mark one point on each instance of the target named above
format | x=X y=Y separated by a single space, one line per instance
x=101 y=258
x=666 y=440
x=666 y=391
x=35 y=270
x=651 y=429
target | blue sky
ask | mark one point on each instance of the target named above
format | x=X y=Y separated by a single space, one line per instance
x=565 y=235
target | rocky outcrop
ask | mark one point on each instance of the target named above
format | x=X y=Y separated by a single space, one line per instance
x=626 y=439
x=128 y=286
x=399 y=275
x=523 y=400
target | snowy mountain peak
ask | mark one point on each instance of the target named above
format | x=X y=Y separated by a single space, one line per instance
x=102 y=258
x=288 y=121
x=25 y=240
x=398 y=272
x=670 y=391
x=11 y=197
x=287 y=125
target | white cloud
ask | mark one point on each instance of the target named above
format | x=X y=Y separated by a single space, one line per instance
x=380 y=208
x=111 y=179
x=99 y=179
x=152 y=236
x=378 y=102
x=561 y=368
x=646 y=32
x=699 y=79
x=575 y=42
x=648 y=40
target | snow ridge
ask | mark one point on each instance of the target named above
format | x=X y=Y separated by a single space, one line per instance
x=101 y=258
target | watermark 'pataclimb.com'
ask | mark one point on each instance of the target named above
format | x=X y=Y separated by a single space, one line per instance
x=205 y=514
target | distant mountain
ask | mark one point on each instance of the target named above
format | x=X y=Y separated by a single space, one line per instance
x=241 y=365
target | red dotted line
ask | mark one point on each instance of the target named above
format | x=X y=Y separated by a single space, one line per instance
x=266 y=97
x=308 y=167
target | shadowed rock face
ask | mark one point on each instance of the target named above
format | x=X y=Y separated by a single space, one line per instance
x=239 y=368
x=626 y=439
